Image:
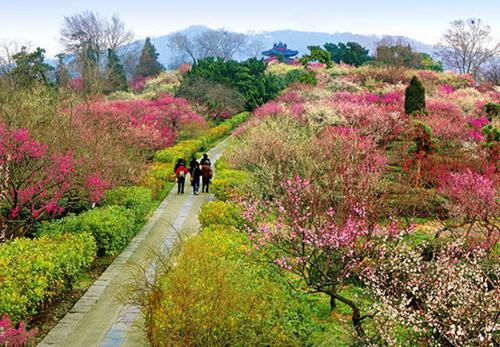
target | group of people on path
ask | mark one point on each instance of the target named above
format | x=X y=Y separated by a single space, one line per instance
x=196 y=171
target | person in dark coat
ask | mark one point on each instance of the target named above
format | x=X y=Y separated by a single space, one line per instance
x=195 y=179
x=192 y=164
x=205 y=160
x=206 y=176
x=181 y=171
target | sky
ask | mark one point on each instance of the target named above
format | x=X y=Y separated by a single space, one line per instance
x=39 y=21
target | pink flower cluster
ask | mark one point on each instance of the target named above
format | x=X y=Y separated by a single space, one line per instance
x=33 y=181
x=11 y=336
x=96 y=186
x=152 y=124
x=477 y=125
x=472 y=194
x=271 y=108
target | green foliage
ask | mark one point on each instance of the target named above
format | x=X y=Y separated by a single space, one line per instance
x=30 y=68
x=492 y=110
x=351 y=53
x=300 y=76
x=218 y=100
x=112 y=227
x=221 y=213
x=249 y=78
x=492 y=135
x=63 y=78
x=88 y=58
x=415 y=97
x=217 y=294
x=228 y=182
x=136 y=199
x=427 y=63
x=186 y=149
x=316 y=53
x=115 y=74
x=149 y=66
x=34 y=271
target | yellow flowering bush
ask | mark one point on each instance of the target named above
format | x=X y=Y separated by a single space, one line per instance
x=32 y=271
x=217 y=294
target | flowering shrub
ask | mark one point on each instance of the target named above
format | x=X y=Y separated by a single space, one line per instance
x=307 y=238
x=217 y=293
x=268 y=109
x=220 y=213
x=33 y=183
x=445 y=298
x=11 y=336
x=137 y=83
x=34 y=271
x=145 y=124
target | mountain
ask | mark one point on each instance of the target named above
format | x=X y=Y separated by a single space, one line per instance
x=297 y=40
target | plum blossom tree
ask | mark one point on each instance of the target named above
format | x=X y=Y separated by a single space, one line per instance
x=447 y=298
x=324 y=238
x=33 y=182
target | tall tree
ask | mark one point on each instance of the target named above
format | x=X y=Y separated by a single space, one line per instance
x=87 y=36
x=62 y=74
x=149 y=65
x=115 y=73
x=211 y=43
x=467 y=45
x=30 y=68
x=351 y=53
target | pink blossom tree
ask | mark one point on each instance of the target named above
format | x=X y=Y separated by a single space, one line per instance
x=305 y=238
x=473 y=202
x=33 y=182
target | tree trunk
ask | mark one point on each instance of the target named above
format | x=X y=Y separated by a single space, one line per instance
x=356 y=314
x=333 y=303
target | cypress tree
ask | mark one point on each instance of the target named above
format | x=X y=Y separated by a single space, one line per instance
x=415 y=97
x=115 y=74
x=62 y=74
x=149 y=66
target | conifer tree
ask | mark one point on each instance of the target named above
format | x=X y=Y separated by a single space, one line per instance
x=415 y=97
x=62 y=74
x=115 y=73
x=149 y=66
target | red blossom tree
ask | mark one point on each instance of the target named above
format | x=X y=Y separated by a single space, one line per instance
x=33 y=182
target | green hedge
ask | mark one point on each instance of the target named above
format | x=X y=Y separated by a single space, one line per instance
x=136 y=199
x=35 y=270
x=112 y=227
x=188 y=148
x=227 y=182
x=220 y=213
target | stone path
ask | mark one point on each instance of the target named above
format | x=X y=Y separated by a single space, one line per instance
x=102 y=317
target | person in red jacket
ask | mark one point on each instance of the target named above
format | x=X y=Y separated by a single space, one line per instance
x=181 y=171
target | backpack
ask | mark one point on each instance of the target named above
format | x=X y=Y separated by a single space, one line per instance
x=181 y=174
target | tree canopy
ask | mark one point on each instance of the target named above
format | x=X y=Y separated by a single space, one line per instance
x=249 y=78
x=149 y=66
x=351 y=53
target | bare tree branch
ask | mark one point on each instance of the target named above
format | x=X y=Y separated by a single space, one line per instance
x=467 y=45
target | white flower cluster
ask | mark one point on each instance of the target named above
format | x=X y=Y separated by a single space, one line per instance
x=445 y=296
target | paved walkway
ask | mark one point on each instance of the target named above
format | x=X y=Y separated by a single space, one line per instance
x=102 y=317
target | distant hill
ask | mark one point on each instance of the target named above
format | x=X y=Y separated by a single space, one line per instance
x=298 y=40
